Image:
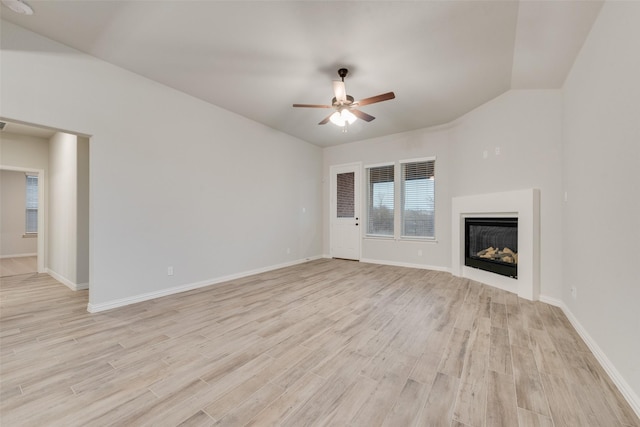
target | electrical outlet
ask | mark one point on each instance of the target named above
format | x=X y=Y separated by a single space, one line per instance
x=497 y=151
x=574 y=292
x=288 y=251
x=419 y=252
x=170 y=271
x=485 y=154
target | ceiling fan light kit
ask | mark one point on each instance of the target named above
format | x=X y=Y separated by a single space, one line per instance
x=341 y=118
x=344 y=104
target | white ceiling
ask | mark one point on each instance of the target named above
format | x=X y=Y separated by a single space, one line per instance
x=441 y=58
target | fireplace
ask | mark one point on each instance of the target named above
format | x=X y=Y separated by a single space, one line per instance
x=491 y=244
x=521 y=204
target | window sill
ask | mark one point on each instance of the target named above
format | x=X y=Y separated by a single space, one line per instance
x=402 y=239
x=30 y=235
x=418 y=239
x=375 y=237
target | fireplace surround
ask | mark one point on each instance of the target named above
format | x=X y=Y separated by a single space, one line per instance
x=521 y=204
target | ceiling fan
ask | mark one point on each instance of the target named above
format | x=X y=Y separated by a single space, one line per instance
x=345 y=106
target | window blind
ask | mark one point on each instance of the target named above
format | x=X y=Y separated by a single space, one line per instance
x=418 y=199
x=380 y=200
x=31 y=225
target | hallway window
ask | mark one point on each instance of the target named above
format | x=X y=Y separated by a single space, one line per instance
x=32 y=205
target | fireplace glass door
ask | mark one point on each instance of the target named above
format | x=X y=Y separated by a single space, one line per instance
x=491 y=244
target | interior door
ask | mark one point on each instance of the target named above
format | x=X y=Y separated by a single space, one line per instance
x=345 y=211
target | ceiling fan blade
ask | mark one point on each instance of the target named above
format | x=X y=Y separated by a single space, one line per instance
x=325 y=120
x=378 y=98
x=340 y=91
x=312 y=106
x=361 y=115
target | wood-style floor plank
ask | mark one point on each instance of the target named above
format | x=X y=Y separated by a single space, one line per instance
x=325 y=343
x=502 y=408
x=15 y=266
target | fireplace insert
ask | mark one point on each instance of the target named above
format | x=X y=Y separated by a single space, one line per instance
x=491 y=244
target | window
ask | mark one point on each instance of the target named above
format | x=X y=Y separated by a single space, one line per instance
x=31 y=223
x=401 y=201
x=345 y=192
x=418 y=199
x=380 y=200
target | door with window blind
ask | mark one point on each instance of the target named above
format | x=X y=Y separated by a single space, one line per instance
x=345 y=212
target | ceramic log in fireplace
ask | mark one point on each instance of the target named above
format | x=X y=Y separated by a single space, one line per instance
x=491 y=244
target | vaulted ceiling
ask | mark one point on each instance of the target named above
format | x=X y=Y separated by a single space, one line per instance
x=441 y=58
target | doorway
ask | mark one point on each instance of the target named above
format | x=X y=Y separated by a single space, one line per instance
x=345 y=236
x=16 y=238
x=61 y=161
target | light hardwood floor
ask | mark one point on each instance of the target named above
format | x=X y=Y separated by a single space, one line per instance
x=327 y=343
x=18 y=265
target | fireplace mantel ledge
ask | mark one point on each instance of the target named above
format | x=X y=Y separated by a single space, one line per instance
x=523 y=204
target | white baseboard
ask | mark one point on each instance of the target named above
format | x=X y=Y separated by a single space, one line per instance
x=400 y=264
x=17 y=255
x=406 y=264
x=82 y=286
x=551 y=301
x=68 y=283
x=95 y=308
x=626 y=390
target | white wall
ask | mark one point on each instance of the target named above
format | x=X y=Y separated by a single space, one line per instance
x=174 y=181
x=12 y=213
x=22 y=151
x=82 y=210
x=68 y=218
x=601 y=161
x=62 y=217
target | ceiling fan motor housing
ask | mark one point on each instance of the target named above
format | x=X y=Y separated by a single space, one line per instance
x=349 y=101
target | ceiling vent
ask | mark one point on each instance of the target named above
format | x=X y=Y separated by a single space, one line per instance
x=18 y=6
